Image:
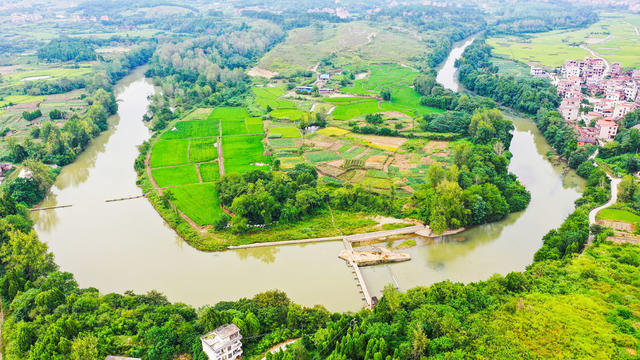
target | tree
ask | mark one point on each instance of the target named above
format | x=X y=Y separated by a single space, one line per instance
x=627 y=189
x=85 y=347
x=25 y=255
x=385 y=94
x=55 y=114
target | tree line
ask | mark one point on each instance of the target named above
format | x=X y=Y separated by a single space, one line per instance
x=55 y=145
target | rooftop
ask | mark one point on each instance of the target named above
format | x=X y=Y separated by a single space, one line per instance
x=111 y=357
x=220 y=336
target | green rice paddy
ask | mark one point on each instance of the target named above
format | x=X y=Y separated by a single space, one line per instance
x=285 y=131
x=169 y=153
x=200 y=202
x=173 y=176
x=201 y=150
x=191 y=144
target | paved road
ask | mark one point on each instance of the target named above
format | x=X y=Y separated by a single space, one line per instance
x=614 y=197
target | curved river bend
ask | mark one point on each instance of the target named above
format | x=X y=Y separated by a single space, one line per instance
x=126 y=245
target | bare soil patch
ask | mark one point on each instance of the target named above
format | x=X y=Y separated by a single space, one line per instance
x=9 y=69
x=396 y=114
x=436 y=145
x=257 y=71
x=376 y=161
x=402 y=162
x=617 y=225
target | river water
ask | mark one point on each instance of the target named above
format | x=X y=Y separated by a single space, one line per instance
x=119 y=246
x=447 y=71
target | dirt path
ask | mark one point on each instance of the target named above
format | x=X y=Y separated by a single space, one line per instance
x=198 y=172
x=220 y=154
x=282 y=346
x=348 y=238
x=634 y=28
x=147 y=166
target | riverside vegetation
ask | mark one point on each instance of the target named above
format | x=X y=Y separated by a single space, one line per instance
x=563 y=305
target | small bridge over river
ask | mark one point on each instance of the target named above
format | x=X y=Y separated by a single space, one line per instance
x=347 y=241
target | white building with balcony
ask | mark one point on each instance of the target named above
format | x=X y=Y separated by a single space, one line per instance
x=223 y=343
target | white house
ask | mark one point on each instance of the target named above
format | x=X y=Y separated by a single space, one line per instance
x=223 y=343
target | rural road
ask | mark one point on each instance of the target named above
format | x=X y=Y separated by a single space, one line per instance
x=282 y=346
x=614 y=197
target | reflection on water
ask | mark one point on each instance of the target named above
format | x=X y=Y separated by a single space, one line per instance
x=126 y=245
x=447 y=72
x=500 y=247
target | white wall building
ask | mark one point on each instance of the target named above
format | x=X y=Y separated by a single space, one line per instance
x=223 y=343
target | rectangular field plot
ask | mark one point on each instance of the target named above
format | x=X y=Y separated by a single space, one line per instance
x=229 y=113
x=172 y=176
x=193 y=128
x=320 y=156
x=169 y=153
x=199 y=202
x=201 y=150
x=233 y=127
x=285 y=132
x=291 y=114
x=243 y=153
x=209 y=172
x=198 y=114
x=284 y=143
x=254 y=125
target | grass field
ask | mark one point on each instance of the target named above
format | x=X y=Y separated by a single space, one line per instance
x=169 y=152
x=351 y=41
x=173 y=176
x=613 y=37
x=192 y=128
x=50 y=74
x=209 y=172
x=199 y=202
x=201 y=150
x=618 y=215
x=285 y=131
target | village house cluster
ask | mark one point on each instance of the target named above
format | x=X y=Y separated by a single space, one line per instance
x=595 y=97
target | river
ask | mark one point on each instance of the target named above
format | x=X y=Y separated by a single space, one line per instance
x=447 y=71
x=126 y=245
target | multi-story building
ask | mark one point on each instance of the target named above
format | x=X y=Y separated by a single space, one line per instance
x=223 y=343
x=623 y=108
x=607 y=129
x=616 y=68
